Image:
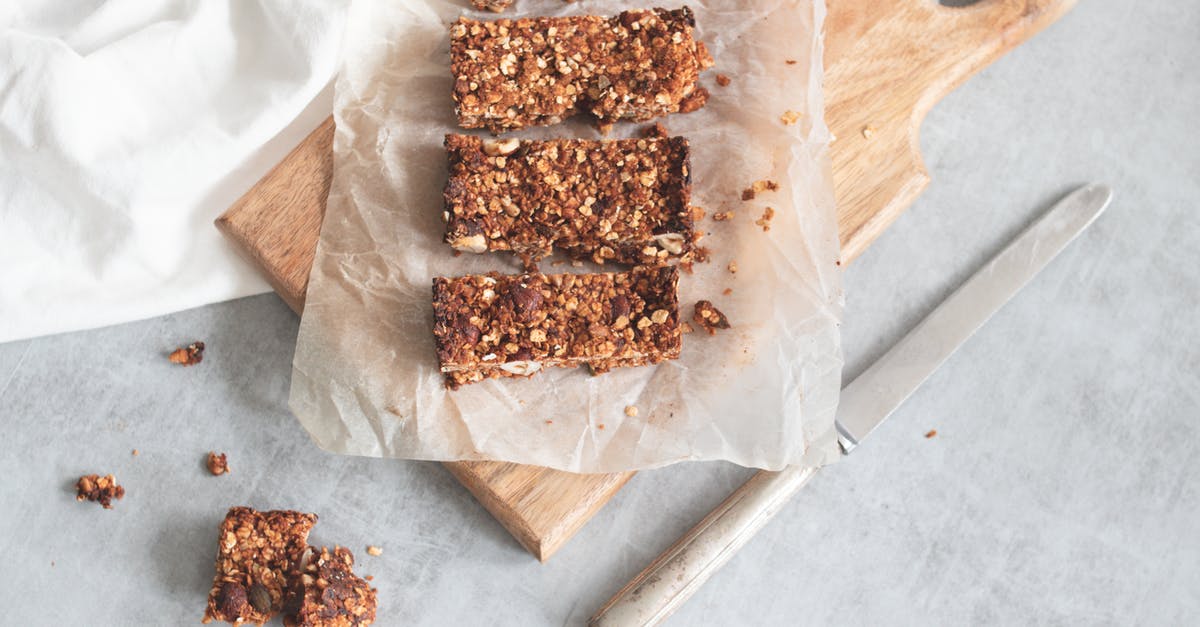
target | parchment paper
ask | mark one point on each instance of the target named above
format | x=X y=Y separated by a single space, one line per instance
x=763 y=393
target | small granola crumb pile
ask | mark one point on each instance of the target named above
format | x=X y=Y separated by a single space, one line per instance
x=654 y=130
x=328 y=593
x=722 y=216
x=189 y=355
x=217 y=464
x=722 y=80
x=631 y=410
x=495 y=6
x=931 y=433
x=765 y=220
x=790 y=117
x=99 y=489
x=709 y=317
x=374 y=551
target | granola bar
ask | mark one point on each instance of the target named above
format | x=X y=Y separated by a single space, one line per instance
x=622 y=200
x=640 y=64
x=257 y=552
x=504 y=325
x=328 y=594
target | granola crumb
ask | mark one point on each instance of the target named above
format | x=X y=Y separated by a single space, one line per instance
x=217 y=464
x=709 y=317
x=654 y=130
x=790 y=61
x=698 y=213
x=732 y=267
x=748 y=194
x=868 y=131
x=790 y=117
x=549 y=422
x=600 y=426
x=374 y=551
x=764 y=185
x=576 y=264
x=98 y=489
x=722 y=216
x=495 y=6
x=189 y=355
x=931 y=433
x=135 y=452
x=701 y=254
x=765 y=220
x=686 y=327
x=722 y=80
x=631 y=410
x=728 y=291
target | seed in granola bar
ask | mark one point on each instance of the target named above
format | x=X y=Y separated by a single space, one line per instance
x=231 y=599
x=189 y=355
x=217 y=464
x=260 y=598
x=722 y=80
x=98 y=489
x=709 y=317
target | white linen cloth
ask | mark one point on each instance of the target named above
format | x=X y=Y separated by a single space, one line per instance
x=126 y=128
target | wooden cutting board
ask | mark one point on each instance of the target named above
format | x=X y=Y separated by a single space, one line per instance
x=887 y=63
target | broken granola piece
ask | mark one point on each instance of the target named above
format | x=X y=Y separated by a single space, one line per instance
x=623 y=200
x=98 y=489
x=495 y=6
x=638 y=65
x=709 y=317
x=217 y=464
x=494 y=325
x=765 y=220
x=257 y=552
x=189 y=355
x=327 y=593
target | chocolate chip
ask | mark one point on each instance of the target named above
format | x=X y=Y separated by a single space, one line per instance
x=467 y=331
x=231 y=600
x=620 y=307
x=260 y=598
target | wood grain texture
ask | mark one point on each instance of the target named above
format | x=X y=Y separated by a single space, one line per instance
x=887 y=63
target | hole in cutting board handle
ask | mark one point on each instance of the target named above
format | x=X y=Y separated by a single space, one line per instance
x=958 y=3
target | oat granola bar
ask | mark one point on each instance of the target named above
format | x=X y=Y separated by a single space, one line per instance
x=327 y=593
x=640 y=64
x=514 y=325
x=622 y=200
x=257 y=553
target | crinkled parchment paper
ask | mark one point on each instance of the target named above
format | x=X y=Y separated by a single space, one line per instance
x=763 y=393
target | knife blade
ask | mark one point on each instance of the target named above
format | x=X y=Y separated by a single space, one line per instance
x=887 y=383
x=866 y=402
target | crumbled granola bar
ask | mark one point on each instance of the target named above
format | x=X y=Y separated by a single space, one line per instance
x=638 y=65
x=495 y=6
x=327 y=593
x=709 y=317
x=257 y=552
x=765 y=221
x=217 y=463
x=98 y=489
x=505 y=326
x=623 y=200
x=189 y=355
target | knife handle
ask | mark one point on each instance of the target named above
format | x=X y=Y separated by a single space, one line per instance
x=680 y=570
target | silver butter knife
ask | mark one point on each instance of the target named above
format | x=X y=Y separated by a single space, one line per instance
x=865 y=403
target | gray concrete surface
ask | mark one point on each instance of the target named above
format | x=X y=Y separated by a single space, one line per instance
x=1062 y=487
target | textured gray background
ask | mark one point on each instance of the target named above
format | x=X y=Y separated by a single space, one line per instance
x=1063 y=487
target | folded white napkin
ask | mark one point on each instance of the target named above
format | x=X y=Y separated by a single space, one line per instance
x=126 y=127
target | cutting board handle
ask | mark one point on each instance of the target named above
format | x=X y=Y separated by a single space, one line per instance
x=887 y=63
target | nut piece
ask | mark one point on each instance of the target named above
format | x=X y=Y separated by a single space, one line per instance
x=500 y=147
x=99 y=489
x=189 y=355
x=631 y=410
x=217 y=464
x=709 y=317
x=471 y=243
x=670 y=242
x=374 y=551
